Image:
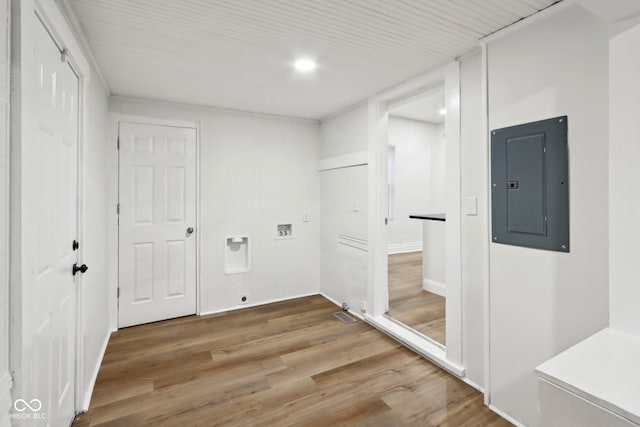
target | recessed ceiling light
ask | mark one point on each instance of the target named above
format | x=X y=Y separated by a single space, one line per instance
x=442 y=111
x=304 y=64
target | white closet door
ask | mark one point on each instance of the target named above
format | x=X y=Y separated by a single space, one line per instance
x=54 y=181
x=157 y=267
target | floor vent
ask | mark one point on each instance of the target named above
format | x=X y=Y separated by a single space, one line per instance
x=344 y=317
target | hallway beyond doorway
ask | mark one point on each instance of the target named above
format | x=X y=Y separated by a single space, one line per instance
x=411 y=305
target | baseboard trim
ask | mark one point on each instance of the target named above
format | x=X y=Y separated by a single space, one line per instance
x=424 y=347
x=256 y=304
x=473 y=384
x=401 y=248
x=5 y=398
x=506 y=416
x=94 y=376
x=339 y=304
x=435 y=287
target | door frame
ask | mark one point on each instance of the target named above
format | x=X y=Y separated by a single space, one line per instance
x=24 y=21
x=120 y=118
x=377 y=291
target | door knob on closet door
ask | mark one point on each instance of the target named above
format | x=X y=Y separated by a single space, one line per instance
x=81 y=269
x=190 y=230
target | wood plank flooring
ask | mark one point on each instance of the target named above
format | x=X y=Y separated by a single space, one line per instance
x=287 y=364
x=409 y=303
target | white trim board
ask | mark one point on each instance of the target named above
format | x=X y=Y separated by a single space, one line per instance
x=127 y=118
x=485 y=177
x=377 y=274
x=353 y=242
x=434 y=287
x=5 y=399
x=56 y=23
x=403 y=248
x=5 y=232
x=415 y=342
x=506 y=416
x=257 y=304
x=84 y=407
x=76 y=28
x=156 y=101
x=359 y=158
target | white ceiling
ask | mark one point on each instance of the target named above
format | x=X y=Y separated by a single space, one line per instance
x=425 y=108
x=238 y=53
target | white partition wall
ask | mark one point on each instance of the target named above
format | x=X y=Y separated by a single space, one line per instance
x=625 y=180
x=542 y=302
x=344 y=204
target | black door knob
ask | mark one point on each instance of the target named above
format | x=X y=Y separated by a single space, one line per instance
x=81 y=269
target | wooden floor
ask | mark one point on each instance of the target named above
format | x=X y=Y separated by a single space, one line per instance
x=409 y=303
x=287 y=364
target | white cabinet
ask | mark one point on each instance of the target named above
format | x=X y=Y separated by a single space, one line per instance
x=595 y=383
x=562 y=408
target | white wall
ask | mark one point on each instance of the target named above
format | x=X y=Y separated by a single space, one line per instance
x=256 y=171
x=419 y=176
x=5 y=381
x=624 y=181
x=94 y=288
x=473 y=166
x=344 y=201
x=542 y=302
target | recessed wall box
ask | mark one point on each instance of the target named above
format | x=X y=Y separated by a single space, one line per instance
x=237 y=255
x=530 y=185
x=284 y=231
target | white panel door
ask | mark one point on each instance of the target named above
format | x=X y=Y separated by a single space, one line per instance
x=54 y=180
x=157 y=272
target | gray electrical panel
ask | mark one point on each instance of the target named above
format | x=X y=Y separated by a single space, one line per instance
x=530 y=185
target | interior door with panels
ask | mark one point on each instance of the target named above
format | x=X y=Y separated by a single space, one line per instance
x=52 y=178
x=157 y=257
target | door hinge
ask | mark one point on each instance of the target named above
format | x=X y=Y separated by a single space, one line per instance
x=75 y=245
x=118 y=143
x=386 y=221
x=64 y=56
x=118 y=292
x=118 y=208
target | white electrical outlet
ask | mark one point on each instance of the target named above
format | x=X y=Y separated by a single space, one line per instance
x=305 y=216
x=244 y=298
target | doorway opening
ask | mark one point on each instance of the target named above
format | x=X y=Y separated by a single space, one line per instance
x=416 y=231
x=433 y=253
